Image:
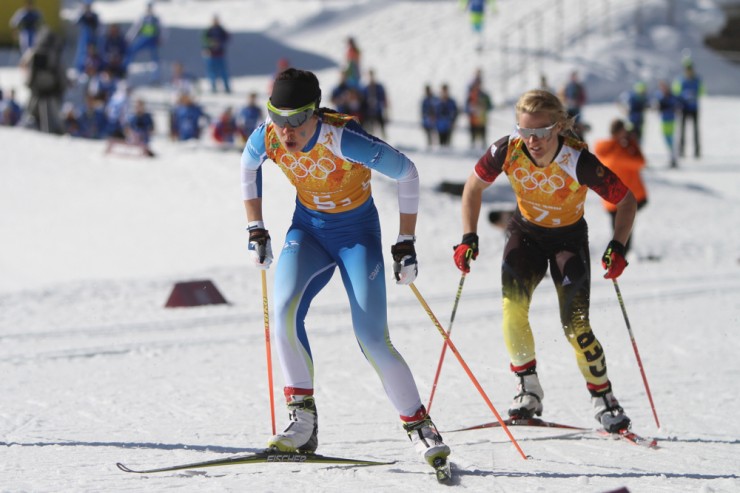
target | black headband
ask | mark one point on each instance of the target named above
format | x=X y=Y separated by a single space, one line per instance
x=295 y=93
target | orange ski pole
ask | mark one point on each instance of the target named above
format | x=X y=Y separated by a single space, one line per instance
x=454 y=350
x=444 y=346
x=268 y=349
x=637 y=353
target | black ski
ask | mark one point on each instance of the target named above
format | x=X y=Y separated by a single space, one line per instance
x=522 y=422
x=264 y=456
x=624 y=435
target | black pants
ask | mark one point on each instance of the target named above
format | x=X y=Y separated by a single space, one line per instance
x=694 y=117
x=528 y=253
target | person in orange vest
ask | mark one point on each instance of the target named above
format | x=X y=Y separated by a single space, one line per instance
x=621 y=153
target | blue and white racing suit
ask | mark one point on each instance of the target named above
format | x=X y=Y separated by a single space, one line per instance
x=335 y=226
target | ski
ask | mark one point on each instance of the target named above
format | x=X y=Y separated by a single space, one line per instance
x=624 y=435
x=442 y=470
x=631 y=437
x=522 y=422
x=265 y=456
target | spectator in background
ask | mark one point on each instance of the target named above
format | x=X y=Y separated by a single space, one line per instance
x=139 y=127
x=26 y=22
x=477 y=9
x=181 y=82
x=71 y=121
x=688 y=89
x=339 y=94
x=282 y=64
x=87 y=34
x=215 y=39
x=573 y=96
x=376 y=104
x=544 y=85
x=636 y=102
x=621 y=153
x=10 y=110
x=93 y=119
x=47 y=80
x=92 y=61
x=668 y=104
x=145 y=34
x=113 y=51
x=354 y=104
x=429 y=115
x=225 y=130
x=477 y=107
x=117 y=111
x=446 y=115
x=189 y=118
x=352 y=63
x=102 y=85
x=249 y=117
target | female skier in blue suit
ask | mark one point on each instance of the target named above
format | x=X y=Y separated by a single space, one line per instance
x=329 y=158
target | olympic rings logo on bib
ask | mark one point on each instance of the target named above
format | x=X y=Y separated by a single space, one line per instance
x=538 y=179
x=319 y=170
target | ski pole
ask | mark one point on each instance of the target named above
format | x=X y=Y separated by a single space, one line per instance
x=266 y=315
x=465 y=366
x=444 y=346
x=637 y=353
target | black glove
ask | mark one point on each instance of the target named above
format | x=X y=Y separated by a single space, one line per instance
x=405 y=267
x=260 y=247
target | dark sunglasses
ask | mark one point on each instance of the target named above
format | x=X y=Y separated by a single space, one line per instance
x=290 y=118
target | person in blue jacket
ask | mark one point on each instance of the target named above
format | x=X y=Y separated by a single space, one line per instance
x=93 y=118
x=249 y=117
x=477 y=9
x=376 y=105
x=667 y=105
x=636 y=102
x=88 y=24
x=188 y=118
x=113 y=51
x=215 y=39
x=329 y=159
x=10 y=110
x=446 y=115
x=26 y=21
x=429 y=115
x=145 y=34
x=688 y=89
x=140 y=127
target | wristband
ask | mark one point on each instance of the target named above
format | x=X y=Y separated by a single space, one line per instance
x=402 y=238
x=255 y=225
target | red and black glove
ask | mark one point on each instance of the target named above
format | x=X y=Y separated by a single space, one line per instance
x=466 y=251
x=613 y=260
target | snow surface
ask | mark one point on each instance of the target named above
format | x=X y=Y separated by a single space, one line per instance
x=95 y=370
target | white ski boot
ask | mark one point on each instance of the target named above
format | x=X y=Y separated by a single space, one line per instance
x=427 y=440
x=528 y=400
x=609 y=413
x=302 y=432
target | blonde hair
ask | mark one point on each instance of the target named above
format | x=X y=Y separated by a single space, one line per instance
x=541 y=101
